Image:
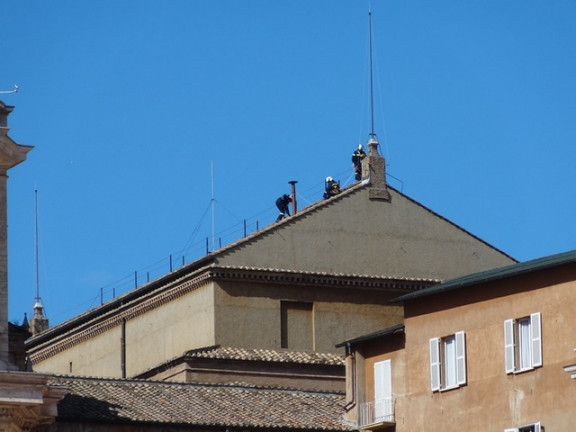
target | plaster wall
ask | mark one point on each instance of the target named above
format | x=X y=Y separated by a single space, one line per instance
x=492 y=399
x=165 y=332
x=398 y=369
x=249 y=315
x=354 y=235
x=97 y=356
x=170 y=329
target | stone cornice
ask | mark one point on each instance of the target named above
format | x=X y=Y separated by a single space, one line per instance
x=289 y=277
x=77 y=331
x=27 y=400
x=113 y=318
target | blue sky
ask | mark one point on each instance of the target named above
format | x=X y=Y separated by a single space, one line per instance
x=130 y=104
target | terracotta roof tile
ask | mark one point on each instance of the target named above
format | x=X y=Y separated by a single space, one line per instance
x=303 y=357
x=129 y=401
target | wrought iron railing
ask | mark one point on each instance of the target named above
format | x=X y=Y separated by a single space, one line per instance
x=378 y=411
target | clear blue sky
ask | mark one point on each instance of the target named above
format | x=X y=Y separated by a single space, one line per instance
x=128 y=103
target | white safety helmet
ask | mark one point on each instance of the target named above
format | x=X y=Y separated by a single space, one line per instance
x=360 y=147
x=329 y=179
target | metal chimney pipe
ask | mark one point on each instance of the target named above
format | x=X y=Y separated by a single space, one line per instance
x=294 y=204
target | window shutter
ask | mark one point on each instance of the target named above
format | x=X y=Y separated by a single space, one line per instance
x=536 y=334
x=460 y=358
x=435 y=364
x=537 y=427
x=509 y=345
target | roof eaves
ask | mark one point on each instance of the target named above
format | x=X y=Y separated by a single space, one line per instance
x=398 y=328
x=492 y=275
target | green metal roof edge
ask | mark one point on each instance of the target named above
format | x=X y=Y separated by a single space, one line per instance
x=492 y=275
x=378 y=334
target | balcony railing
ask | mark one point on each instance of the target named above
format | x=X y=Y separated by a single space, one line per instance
x=378 y=411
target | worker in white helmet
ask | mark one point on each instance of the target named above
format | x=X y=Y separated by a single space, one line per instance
x=331 y=187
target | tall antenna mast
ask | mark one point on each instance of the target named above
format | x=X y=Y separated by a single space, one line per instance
x=39 y=322
x=212 y=201
x=37 y=247
x=372 y=134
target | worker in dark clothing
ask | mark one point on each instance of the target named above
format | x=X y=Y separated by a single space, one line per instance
x=282 y=204
x=331 y=187
x=357 y=157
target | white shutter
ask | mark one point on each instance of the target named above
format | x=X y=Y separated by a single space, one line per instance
x=460 y=358
x=435 y=364
x=536 y=334
x=509 y=345
x=537 y=427
x=382 y=389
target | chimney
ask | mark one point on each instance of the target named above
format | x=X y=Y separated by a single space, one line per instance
x=293 y=193
x=374 y=172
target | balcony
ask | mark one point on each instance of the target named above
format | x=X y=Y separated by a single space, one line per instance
x=378 y=414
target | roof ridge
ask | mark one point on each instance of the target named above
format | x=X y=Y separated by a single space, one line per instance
x=453 y=223
x=239 y=385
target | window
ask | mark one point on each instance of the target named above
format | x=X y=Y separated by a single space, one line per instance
x=535 y=427
x=383 y=391
x=448 y=361
x=523 y=343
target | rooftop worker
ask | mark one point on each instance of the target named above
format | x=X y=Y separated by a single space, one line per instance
x=331 y=187
x=282 y=204
x=357 y=157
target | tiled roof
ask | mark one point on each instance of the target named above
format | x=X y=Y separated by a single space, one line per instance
x=303 y=357
x=99 y=400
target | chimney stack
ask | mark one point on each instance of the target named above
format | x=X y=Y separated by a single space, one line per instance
x=374 y=171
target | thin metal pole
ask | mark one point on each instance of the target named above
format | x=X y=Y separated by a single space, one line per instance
x=212 y=201
x=372 y=134
x=293 y=192
x=37 y=247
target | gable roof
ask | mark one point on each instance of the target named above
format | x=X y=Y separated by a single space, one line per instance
x=111 y=401
x=377 y=274
x=492 y=275
x=273 y=358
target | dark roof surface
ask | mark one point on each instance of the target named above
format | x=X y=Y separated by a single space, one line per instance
x=493 y=275
x=398 y=328
x=114 y=401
